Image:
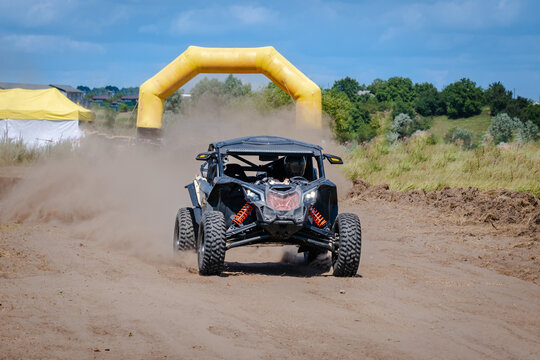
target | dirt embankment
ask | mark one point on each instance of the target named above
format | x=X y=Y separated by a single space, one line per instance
x=504 y=210
x=496 y=229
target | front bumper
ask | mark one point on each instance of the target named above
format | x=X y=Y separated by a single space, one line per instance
x=280 y=232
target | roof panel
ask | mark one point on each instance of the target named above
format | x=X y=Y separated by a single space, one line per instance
x=266 y=144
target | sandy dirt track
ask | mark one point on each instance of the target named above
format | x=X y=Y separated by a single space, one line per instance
x=418 y=296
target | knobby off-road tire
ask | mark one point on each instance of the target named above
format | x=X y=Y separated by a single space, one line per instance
x=347 y=259
x=184 y=230
x=211 y=244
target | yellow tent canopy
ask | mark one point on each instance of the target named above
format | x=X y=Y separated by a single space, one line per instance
x=47 y=104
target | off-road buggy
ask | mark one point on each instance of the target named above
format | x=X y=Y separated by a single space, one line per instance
x=245 y=196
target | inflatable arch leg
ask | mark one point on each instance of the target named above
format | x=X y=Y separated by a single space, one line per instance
x=196 y=60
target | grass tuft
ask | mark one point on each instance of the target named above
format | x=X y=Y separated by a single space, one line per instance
x=421 y=164
x=15 y=152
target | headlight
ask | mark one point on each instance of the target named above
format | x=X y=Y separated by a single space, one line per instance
x=252 y=196
x=283 y=202
x=310 y=195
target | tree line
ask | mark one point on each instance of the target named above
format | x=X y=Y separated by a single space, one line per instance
x=356 y=109
x=354 y=106
x=106 y=90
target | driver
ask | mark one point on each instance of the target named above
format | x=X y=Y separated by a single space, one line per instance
x=294 y=166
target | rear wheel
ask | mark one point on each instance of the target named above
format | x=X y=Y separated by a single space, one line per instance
x=211 y=243
x=184 y=230
x=347 y=257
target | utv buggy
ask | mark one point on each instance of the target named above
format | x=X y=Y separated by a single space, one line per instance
x=271 y=190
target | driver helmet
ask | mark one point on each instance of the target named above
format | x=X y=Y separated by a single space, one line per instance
x=295 y=165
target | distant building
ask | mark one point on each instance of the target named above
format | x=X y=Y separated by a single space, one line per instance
x=10 y=85
x=68 y=91
x=98 y=99
x=130 y=100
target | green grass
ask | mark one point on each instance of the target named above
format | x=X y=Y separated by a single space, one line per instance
x=417 y=164
x=120 y=123
x=15 y=152
x=477 y=124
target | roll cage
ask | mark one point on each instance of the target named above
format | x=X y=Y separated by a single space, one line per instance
x=270 y=151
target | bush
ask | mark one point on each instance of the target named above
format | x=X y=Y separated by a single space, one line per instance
x=400 y=107
x=502 y=128
x=402 y=125
x=392 y=136
x=528 y=132
x=459 y=136
x=123 y=107
x=110 y=117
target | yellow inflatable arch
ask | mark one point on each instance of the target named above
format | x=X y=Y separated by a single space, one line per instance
x=196 y=60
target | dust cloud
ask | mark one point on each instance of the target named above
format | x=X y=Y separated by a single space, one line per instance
x=126 y=197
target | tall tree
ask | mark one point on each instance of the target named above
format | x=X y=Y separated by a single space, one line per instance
x=337 y=105
x=497 y=97
x=532 y=113
x=233 y=87
x=395 y=89
x=84 y=89
x=174 y=102
x=273 y=97
x=349 y=86
x=112 y=88
x=516 y=107
x=206 y=85
x=428 y=100
x=462 y=99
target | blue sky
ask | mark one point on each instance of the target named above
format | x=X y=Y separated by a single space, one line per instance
x=123 y=43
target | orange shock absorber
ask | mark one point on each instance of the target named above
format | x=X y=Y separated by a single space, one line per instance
x=316 y=216
x=243 y=214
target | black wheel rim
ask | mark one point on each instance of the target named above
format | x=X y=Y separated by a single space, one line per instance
x=200 y=247
x=335 y=254
x=176 y=238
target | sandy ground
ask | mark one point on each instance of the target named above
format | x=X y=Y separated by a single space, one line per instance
x=421 y=293
x=87 y=270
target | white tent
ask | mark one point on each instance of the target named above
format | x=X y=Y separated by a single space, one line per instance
x=40 y=117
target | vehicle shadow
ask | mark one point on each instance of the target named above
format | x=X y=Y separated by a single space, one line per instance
x=273 y=269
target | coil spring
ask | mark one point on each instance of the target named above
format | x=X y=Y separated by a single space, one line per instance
x=243 y=214
x=316 y=217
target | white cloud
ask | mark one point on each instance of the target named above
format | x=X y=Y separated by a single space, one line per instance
x=44 y=12
x=457 y=14
x=250 y=14
x=34 y=13
x=221 y=18
x=46 y=44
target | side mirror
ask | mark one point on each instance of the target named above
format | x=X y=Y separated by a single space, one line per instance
x=205 y=156
x=333 y=159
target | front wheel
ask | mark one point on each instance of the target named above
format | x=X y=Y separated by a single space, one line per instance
x=347 y=257
x=211 y=243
